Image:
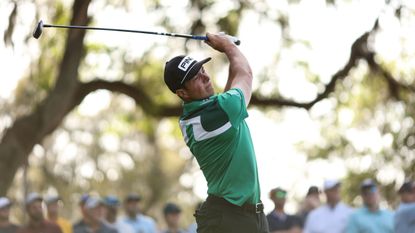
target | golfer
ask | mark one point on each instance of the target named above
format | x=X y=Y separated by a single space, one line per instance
x=214 y=128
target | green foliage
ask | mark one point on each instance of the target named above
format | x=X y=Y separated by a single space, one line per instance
x=230 y=23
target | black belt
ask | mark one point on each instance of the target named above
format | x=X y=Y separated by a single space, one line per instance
x=251 y=208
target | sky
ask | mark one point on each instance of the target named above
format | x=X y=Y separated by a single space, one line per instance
x=330 y=31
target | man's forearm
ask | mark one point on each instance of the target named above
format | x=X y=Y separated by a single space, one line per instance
x=238 y=65
x=240 y=73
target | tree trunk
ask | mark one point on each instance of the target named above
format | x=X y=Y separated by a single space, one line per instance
x=27 y=131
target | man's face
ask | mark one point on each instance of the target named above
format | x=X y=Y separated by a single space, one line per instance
x=173 y=220
x=95 y=213
x=131 y=208
x=371 y=197
x=408 y=197
x=35 y=211
x=279 y=198
x=333 y=194
x=4 y=213
x=197 y=88
x=110 y=212
x=53 y=208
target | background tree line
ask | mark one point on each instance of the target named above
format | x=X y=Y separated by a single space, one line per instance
x=134 y=142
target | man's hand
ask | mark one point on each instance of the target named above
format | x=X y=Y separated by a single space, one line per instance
x=220 y=42
x=240 y=74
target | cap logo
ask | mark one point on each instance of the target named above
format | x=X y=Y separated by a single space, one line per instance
x=185 y=63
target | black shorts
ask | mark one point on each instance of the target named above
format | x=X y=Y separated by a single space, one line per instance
x=216 y=215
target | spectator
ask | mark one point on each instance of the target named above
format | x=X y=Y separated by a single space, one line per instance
x=52 y=206
x=370 y=218
x=311 y=202
x=5 y=225
x=331 y=217
x=92 y=221
x=82 y=202
x=278 y=220
x=405 y=214
x=37 y=222
x=112 y=205
x=140 y=222
x=172 y=214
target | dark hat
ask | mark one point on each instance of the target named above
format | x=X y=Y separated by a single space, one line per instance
x=367 y=184
x=313 y=190
x=51 y=199
x=180 y=69
x=171 y=208
x=278 y=193
x=132 y=197
x=111 y=201
x=407 y=187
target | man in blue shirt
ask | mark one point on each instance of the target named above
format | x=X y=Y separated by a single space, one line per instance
x=92 y=221
x=370 y=218
x=405 y=214
x=141 y=223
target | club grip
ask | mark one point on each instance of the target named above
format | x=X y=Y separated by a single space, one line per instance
x=231 y=38
x=234 y=39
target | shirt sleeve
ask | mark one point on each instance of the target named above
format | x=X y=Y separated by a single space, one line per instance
x=233 y=103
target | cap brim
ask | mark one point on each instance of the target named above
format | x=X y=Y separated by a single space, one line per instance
x=51 y=200
x=195 y=68
x=29 y=202
x=336 y=185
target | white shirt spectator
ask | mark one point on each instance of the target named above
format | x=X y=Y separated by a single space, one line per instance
x=121 y=227
x=192 y=228
x=142 y=224
x=328 y=220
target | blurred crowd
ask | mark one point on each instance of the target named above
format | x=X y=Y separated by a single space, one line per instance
x=334 y=216
x=102 y=214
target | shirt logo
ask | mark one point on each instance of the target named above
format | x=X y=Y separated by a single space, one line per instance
x=185 y=63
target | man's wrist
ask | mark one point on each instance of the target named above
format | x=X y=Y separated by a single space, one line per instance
x=231 y=50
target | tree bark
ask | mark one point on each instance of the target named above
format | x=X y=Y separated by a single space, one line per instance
x=27 y=131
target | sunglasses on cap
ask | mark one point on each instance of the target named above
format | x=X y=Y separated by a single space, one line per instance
x=280 y=194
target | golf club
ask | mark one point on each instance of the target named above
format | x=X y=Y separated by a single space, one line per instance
x=38 y=31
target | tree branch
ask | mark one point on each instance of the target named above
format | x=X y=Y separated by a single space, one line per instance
x=394 y=85
x=137 y=94
x=359 y=50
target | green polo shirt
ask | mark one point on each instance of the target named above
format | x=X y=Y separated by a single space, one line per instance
x=216 y=132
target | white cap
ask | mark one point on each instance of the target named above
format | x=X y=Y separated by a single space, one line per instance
x=33 y=197
x=93 y=202
x=52 y=199
x=329 y=184
x=4 y=202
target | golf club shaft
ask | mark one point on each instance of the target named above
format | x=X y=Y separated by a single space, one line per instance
x=235 y=40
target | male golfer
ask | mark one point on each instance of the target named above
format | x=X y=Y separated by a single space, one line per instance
x=214 y=128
